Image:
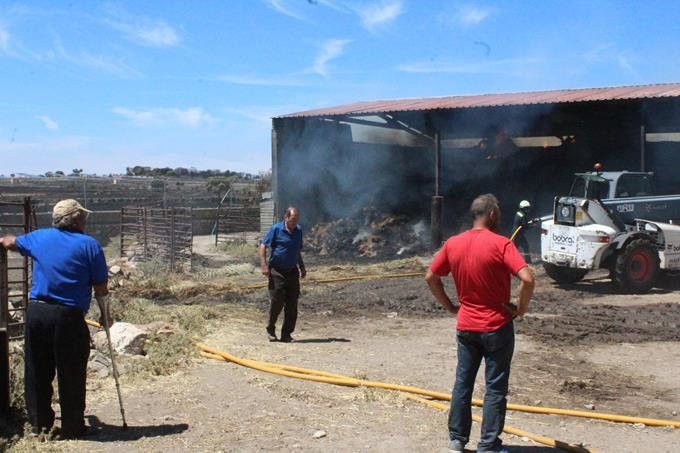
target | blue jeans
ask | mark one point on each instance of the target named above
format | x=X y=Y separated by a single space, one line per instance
x=496 y=348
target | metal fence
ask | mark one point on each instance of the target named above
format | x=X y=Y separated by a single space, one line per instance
x=160 y=235
x=234 y=219
x=15 y=273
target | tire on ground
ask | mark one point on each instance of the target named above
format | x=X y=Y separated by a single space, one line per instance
x=636 y=267
x=564 y=274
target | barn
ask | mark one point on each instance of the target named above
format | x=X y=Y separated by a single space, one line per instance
x=428 y=158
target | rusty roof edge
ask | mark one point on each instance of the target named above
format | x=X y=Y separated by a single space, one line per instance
x=624 y=92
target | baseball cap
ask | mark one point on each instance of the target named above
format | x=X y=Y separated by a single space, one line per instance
x=66 y=207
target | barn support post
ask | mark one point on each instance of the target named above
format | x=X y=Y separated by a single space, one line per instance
x=436 y=206
x=275 y=165
x=643 y=141
x=4 y=335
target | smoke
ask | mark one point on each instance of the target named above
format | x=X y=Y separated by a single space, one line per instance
x=331 y=169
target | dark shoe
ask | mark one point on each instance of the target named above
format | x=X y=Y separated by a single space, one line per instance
x=287 y=339
x=36 y=431
x=271 y=334
x=58 y=434
x=456 y=446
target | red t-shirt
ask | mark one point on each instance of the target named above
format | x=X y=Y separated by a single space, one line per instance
x=481 y=263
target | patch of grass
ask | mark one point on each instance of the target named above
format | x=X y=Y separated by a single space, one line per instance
x=166 y=353
x=238 y=249
x=112 y=248
x=229 y=270
x=12 y=427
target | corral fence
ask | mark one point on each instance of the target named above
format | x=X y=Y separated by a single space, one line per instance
x=156 y=234
x=235 y=219
x=16 y=217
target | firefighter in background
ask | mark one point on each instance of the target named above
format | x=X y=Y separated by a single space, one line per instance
x=520 y=225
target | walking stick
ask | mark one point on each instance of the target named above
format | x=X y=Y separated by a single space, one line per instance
x=103 y=309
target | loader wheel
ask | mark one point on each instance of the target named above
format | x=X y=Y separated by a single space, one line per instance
x=564 y=274
x=636 y=267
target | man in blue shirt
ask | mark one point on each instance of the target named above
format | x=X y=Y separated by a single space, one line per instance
x=67 y=264
x=284 y=269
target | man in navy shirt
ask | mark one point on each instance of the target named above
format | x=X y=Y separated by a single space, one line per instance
x=284 y=269
x=67 y=264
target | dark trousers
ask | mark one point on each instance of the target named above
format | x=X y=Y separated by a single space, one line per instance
x=284 y=290
x=523 y=246
x=496 y=349
x=55 y=336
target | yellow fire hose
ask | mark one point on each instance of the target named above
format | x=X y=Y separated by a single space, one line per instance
x=352 y=382
x=94 y=323
x=511 y=430
x=346 y=279
x=320 y=376
x=514 y=233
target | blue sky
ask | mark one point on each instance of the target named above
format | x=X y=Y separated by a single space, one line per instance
x=105 y=85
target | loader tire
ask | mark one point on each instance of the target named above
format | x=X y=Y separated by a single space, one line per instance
x=636 y=267
x=564 y=274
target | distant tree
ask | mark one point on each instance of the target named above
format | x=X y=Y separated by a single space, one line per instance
x=218 y=184
x=76 y=172
x=59 y=173
x=49 y=174
x=264 y=182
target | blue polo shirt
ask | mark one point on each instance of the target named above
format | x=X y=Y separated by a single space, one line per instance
x=65 y=265
x=285 y=246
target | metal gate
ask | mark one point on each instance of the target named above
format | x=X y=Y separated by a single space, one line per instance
x=163 y=235
x=233 y=219
x=15 y=273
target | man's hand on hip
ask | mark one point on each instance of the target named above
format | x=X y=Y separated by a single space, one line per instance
x=265 y=270
x=303 y=272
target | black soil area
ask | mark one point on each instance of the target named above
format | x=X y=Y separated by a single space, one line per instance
x=557 y=314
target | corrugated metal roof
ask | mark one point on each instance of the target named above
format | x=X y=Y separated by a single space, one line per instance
x=496 y=100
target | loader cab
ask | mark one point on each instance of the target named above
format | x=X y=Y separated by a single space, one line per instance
x=634 y=185
x=612 y=184
x=590 y=185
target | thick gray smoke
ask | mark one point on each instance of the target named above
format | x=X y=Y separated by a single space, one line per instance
x=523 y=152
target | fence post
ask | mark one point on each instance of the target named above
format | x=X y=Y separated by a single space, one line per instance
x=191 y=243
x=172 y=239
x=27 y=229
x=144 y=226
x=122 y=232
x=4 y=335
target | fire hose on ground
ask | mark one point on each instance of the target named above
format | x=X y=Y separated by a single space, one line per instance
x=337 y=379
x=346 y=279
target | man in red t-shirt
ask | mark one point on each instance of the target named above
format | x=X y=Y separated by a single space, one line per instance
x=481 y=263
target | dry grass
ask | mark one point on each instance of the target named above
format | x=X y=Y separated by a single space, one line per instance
x=238 y=249
x=12 y=427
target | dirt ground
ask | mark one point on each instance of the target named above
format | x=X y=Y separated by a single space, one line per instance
x=580 y=347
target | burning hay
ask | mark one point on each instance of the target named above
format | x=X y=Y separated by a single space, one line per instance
x=370 y=235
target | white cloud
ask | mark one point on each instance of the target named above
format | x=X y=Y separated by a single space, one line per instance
x=59 y=54
x=192 y=116
x=45 y=146
x=510 y=66
x=4 y=40
x=472 y=15
x=102 y=63
x=48 y=122
x=330 y=50
x=609 y=54
x=379 y=13
x=282 y=7
x=147 y=32
x=283 y=80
